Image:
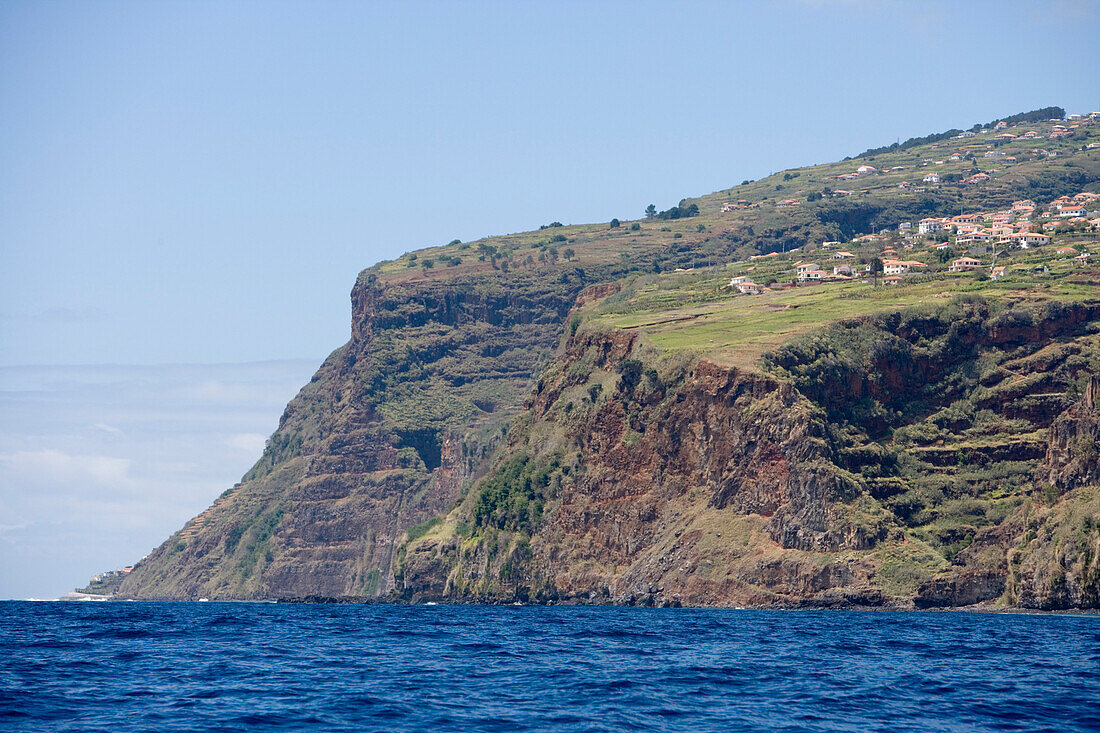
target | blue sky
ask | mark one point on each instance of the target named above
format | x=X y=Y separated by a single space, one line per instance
x=199 y=183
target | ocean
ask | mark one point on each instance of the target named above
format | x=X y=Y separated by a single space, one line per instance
x=119 y=666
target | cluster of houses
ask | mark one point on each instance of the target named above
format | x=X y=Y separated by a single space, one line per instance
x=1018 y=226
x=1015 y=227
x=109 y=574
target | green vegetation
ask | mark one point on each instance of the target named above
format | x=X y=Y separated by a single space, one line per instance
x=513 y=496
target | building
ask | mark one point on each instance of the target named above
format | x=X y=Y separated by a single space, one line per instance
x=997 y=273
x=973 y=237
x=892 y=280
x=751 y=288
x=965 y=263
x=1025 y=240
x=931 y=178
x=899 y=267
x=929 y=226
x=740 y=279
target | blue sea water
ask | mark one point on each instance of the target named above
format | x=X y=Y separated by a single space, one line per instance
x=248 y=666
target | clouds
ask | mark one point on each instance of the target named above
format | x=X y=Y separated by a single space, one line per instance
x=99 y=464
x=250 y=443
x=55 y=468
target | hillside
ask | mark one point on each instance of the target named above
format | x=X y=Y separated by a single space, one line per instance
x=596 y=413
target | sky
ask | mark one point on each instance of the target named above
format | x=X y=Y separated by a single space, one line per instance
x=188 y=189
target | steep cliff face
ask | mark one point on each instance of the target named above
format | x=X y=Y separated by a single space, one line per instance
x=680 y=483
x=386 y=435
x=887 y=460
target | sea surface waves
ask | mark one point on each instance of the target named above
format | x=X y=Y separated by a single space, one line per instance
x=251 y=666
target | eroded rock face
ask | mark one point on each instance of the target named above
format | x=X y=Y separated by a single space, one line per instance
x=705 y=487
x=1073 y=443
x=387 y=434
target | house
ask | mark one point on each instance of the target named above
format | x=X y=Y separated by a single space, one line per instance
x=866 y=170
x=1082 y=257
x=974 y=237
x=829 y=245
x=1067 y=251
x=844 y=269
x=892 y=280
x=905 y=185
x=843 y=255
x=751 y=288
x=1072 y=210
x=905 y=226
x=1024 y=240
x=802 y=267
x=812 y=274
x=899 y=267
x=786 y=202
x=965 y=263
x=997 y=273
x=929 y=226
x=728 y=206
x=1002 y=125
x=931 y=178
x=739 y=280
x=968 y=219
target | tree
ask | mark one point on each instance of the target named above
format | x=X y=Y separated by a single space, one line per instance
x=614 y=224
x=650 y=211
x=876 y=269
x=568 y=253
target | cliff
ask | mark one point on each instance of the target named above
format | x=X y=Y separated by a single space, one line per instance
x=387 y=434
x=589 y=413
x=636 y=476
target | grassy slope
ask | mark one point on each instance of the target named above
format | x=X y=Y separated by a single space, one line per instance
x=714 y=237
